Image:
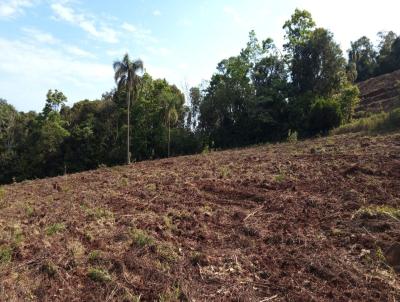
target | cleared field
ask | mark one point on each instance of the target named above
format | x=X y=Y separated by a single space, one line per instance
x=308 y=221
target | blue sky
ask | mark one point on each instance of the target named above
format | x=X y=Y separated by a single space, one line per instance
x=70 y=44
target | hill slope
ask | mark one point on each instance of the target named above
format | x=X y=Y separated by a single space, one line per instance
x=380 y=93
x=309 y=221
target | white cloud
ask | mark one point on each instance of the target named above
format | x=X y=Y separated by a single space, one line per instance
x=140 y=34
x=129 y=27
x=40 y=36
x=101 y=32
x=40 y=68
x=79 y=52
x=156 y=13
x=12 y=8
x=36 y=35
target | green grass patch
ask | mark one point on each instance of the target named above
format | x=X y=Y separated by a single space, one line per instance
x=55 y=228
x=2 y=193
x=98 y=213
x=29 y=211
x=99 y=275
x=171 y=294
x=151 y=187
x=224 y=172
x=280 y=178
x=166 y=253
x=94 y=256
x=5 y=254
x=169 y=224
x=376 y=211
x=376 y=123
x=141 y=238
x=18 y=235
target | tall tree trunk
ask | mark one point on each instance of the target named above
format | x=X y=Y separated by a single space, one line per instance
x=169 y=135
x=128 y=151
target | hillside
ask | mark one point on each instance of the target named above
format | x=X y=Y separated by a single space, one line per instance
x=307 y=221
x=380 y=93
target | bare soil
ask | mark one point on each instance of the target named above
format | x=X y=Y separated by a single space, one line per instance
x=284 y=222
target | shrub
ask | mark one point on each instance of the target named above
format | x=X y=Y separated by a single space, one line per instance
x=292 y=136
x=380 y=122
x=325 y=115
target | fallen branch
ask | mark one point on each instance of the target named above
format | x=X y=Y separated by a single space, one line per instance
x=269 y=299
x=253 y=213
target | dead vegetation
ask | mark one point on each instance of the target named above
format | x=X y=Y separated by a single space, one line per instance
x=303 y=221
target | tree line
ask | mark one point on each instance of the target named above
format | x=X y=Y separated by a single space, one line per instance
x=264 y=94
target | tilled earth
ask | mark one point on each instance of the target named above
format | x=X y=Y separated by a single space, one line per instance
x=316 y=220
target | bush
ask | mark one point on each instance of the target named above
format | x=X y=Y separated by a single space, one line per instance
x=325 y=115
x=380 y=122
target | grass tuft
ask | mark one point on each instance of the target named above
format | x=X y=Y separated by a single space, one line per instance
x=171 y=294
x=55 y=228
x=5 y=254
x=94 y=256
x=99 y=275
x=374 y=211
x=166 y=253
x=141 y=238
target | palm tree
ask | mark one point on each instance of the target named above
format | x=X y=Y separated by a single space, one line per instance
x=126 y=76
x=171 y=115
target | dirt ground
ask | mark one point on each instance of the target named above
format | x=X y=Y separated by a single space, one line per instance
x=308 y=221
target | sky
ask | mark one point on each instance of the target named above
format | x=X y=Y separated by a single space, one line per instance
x=70 y=45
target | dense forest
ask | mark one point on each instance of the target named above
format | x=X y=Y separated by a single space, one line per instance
x=264 y=94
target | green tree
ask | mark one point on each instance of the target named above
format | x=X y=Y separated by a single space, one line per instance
x=298 y=29
x=171 y=114
x=126 y=76
x=316 y=65
x=349 y=99
x=325 y=115
x=54 y=102
x=268 y=111
x=389 y=53
x=195 y=99
x=363 y=55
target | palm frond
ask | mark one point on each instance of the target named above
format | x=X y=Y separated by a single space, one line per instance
x=138 y=65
